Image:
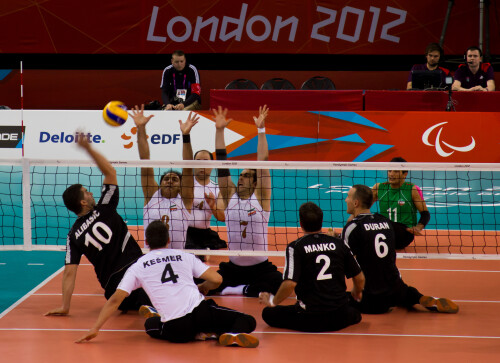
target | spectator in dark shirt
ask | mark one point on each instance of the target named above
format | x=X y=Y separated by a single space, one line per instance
x=474 y=75
x=180 y=84
x=433 y=54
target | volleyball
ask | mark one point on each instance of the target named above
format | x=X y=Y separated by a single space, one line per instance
x=115 y=113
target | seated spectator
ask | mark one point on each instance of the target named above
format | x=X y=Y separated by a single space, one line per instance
x=180 y=85
x=474 y=75
x=433 y=54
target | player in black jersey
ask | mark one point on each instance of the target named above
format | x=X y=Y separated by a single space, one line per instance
x=372 y=240
x=101 y=235
x=316 y=267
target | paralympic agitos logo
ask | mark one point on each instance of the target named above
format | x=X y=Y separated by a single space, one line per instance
x=11 y=137
x=438 y=144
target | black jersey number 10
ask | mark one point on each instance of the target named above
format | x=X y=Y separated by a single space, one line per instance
x=101 y=232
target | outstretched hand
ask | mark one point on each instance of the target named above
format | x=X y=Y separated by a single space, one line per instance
x=260 y=121
x=83 y=140
x=90 y=335
x=138 y=116
x=220 y=118
x=190 y=122
x=57 y=312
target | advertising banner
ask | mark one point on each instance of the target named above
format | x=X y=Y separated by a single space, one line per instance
x=291 y=135
x=228 y=26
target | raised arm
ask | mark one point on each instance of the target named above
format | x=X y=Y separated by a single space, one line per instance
x=226 y=185
x=107 y=170
x=187 y=182
x=375 y=192
x=148 y=182
x=264 y=187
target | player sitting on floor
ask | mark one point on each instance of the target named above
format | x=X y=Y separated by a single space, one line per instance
x=181 y=312
x=372 y=239
x=247 y=209
x=316 y=267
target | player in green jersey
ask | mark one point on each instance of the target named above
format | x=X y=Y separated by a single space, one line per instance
x=399 y=201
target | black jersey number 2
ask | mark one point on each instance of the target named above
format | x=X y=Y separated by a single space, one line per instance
x=326 y=264
x=169 y=275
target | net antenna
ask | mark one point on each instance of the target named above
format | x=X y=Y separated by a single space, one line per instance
x=22 y=109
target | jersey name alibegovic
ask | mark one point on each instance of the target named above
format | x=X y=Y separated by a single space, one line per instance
x=103 y=237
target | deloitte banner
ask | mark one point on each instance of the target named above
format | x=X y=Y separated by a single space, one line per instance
x=54 y=134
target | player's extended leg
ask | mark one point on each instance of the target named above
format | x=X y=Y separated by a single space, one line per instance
x=233 y=327
x=295 y=318
x=411 y=297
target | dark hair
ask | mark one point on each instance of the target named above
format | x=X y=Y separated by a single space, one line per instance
x=254 y=175
x=156 y=235
x=200 y=151
x=473 y=48
x=399 y=159
x=171 y=171
x=72 y=197
x=432 y=47
x=364 y=195
x=311 y=217
x=178 y=53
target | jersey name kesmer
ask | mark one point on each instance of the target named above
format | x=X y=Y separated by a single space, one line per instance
x=160 y=260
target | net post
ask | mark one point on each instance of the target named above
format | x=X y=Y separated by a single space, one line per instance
x=26 y=206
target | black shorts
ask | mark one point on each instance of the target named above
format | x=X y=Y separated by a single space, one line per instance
x=295 y=318
x=261 y=277
x=208 y=317
x=402 y=295
x=202 y=239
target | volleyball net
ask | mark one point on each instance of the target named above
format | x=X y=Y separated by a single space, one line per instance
x=463 y=201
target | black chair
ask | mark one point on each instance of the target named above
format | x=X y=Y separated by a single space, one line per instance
x=318 y=83
x=277 y=83
x=241 y=83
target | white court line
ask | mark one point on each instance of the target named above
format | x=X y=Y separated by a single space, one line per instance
x=6 y=311
x=283 y=333
x=60 y=294
x=35 y=264
x=2 y=263
x=443 y=270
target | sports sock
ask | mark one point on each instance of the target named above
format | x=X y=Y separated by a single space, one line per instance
x=233 y=290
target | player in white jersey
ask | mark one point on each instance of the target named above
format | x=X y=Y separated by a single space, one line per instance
x=199 y=234
x=247 y=209
x=172 y=200
x=181 y=312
